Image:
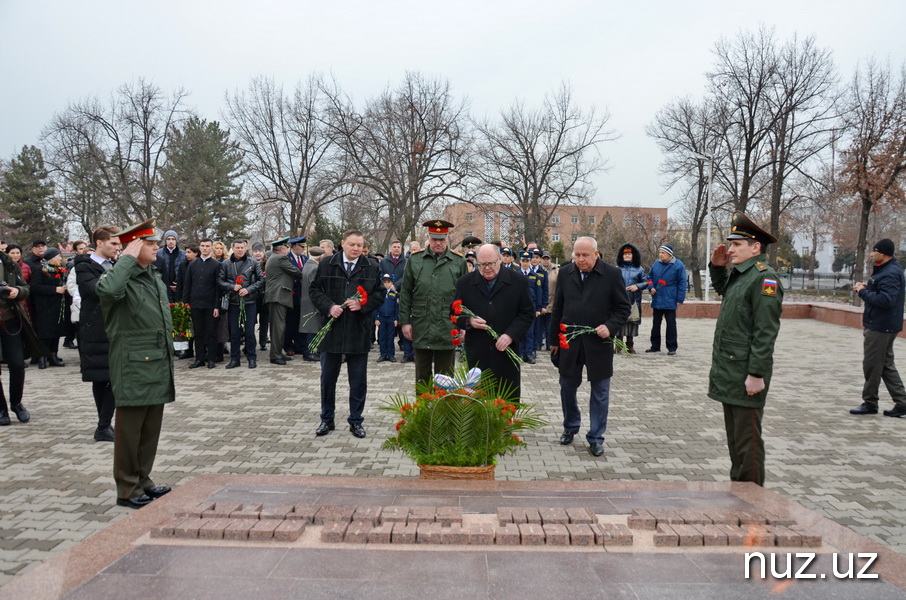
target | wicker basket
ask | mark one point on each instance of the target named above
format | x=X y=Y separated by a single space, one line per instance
x=444 y=472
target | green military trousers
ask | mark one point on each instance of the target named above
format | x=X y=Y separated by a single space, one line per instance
x=743 y=425
x=135 y=447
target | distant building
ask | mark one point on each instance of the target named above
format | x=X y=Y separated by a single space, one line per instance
x=501 y=222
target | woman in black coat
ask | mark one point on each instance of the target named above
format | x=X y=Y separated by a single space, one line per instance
x=507 y=307
x=48 y=289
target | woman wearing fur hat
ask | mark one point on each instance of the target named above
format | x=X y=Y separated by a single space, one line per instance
x=630 y=262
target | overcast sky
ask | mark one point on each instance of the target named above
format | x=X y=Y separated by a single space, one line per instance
x=626 y=60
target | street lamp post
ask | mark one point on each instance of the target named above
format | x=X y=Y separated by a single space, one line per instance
x=710 y=159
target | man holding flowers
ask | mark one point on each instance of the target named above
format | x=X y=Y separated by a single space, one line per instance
x=500 y=302
x=346 y=290
x=590 y=294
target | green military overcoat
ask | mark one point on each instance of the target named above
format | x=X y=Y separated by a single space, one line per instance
x=426 y=293
x=138 y=323
x=746 y=329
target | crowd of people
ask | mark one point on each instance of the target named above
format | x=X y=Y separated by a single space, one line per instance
x=333 y=305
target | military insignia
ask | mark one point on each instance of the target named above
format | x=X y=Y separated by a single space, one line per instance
x=769 y=287
x=537 y=282
x=761 y=267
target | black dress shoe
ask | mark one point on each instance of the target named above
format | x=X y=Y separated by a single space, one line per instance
x=156 y=491
x=233 y=364
x=212 y=364
x=382 y=359
x=653 y=350
x=311 y=357
x=530 y=360
x=671 y=353
x=42 y=362
x=357 y=430
x=253 y=364
x=143 y=500
x=278 y=361
x=4 y=418
x=391 y=359
x=566 y=438
x=21 y=413
x=324 y=428
x=287 y=357
x=70 y=345
x=55 y=361
x=104 y=434
x=196 y=364
x=263 y=346
x=897 y=411
x=864 y=409
x=596 y=449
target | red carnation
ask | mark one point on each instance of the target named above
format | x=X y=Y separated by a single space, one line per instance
x=454 y=332
x=457 y=307
x=361 y=291
x=453 y=319
x=240 y=279
x=456 y=341
x=563 y=327
x=662 y=282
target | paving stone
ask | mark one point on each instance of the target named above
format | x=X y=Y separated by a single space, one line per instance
x=304 y=512
x=369 y=514
x=612 y=534
x=695 y=517
x=519 y=515
x=197 y=510
x=553 y=516
x=641 y=518
x=504 y=515
x=556 y=534
x=532 y=515
x=380 y=534
x=664 y=535
x=454 y=534
x=394 y=514
x=333 y=532
x=188 y=528
x=290 y=531
x=238 y=529
x=688 y=535
x=784 y=536
x=213 y=529
x=667 y=517
x=581 y=515
x=781 y=520
x=752 y=517
x=428 y=533
x=722 y=517
x=532 y=534
x=481 y=534
x=712 y=535
x=263 y=529
x=249 y=511
x=167 y=528
x=222 y=510
x=421 y=514
x=404 y=533
x=736 y=535
x=507 y=534
x=448 y=515
x=810 y=539
x=580 y=534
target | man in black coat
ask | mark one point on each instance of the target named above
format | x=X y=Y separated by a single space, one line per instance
x=93 y=343
x=501 y=299
x=202 y=293
x=240 y=280
x=336 y=282
x=590 y=293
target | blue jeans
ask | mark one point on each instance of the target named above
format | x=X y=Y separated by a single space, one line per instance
x=236 y=332
x=599 y=406
x=670 y=317
x=356 y=367
x=386 y=337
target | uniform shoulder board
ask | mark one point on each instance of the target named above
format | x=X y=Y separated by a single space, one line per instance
x=459 y=254
x=417 y=252
x=760 y=266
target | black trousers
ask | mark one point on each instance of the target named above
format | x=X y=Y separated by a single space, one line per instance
x=14 y=357
x=670 y=317
x=104 y=402
x=205 y=326
x=743 y=425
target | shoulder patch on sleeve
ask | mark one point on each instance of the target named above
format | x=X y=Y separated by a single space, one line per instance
x=761 y=267
x=769 y=287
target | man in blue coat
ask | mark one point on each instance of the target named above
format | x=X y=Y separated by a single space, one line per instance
x=882 y=320
x=667 y=286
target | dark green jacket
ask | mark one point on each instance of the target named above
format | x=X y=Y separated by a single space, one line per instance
x=746 y=329
x=137 y=320
x=427 y=291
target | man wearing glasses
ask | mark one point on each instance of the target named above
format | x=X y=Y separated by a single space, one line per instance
x=500 y=298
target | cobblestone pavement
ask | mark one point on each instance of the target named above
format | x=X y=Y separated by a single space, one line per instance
x=56 y=487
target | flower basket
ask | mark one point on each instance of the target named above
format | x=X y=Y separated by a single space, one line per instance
x=456 y=473
x=466 y=420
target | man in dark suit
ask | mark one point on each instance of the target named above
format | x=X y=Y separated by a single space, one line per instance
x=500 y=298
x=278 y=296
x=294 y=341
x=202 y=293
x=590 y=293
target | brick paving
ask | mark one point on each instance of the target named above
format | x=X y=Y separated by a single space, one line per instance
x=56 y=487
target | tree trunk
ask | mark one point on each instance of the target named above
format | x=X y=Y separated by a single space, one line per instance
x=859 y=266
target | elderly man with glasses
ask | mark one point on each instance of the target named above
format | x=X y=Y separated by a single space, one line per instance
x=500 y=298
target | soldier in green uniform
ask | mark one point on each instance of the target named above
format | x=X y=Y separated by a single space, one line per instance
x=427 y=291
x=742 y=358
x=137 y=321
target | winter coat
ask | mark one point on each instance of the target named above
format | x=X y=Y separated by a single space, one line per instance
x=94 y=346
x=426 y=293
x=310 y=320
x=669 y=281
x=200 y=286
x=49 y=307
x=883 y=298
x=747 y=326
x=351 y=332
x=165 y=259
x=279 y=282
x=137 y=321
x=10 y=309
x=600 y=299
x=394 y=270
x=247 y=268
x=633 y=273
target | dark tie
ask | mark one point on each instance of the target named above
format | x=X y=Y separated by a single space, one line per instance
x=583 y=276
x=107 y=265
x=349 y=268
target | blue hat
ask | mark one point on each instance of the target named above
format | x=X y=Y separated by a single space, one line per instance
x=387 y=276
x=536 y=251
x=667 y=248
x=506 y=251
x=297 y=240
x=525 y=255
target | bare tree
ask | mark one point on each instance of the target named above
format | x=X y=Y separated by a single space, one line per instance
x=875 y=158
x=290 y=153
x=406 y=151
x=537 y=160
x=110 y=157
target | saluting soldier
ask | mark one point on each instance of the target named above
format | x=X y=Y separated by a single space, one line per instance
x=427 y=291
x=137 y=321
x=743 y=353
